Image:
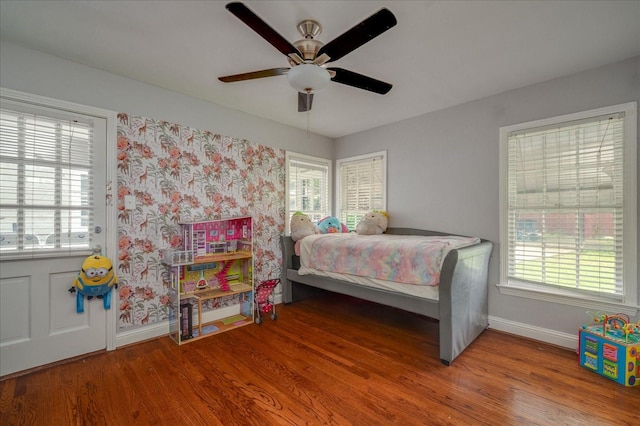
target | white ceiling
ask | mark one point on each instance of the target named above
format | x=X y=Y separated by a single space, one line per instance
x=441 y=53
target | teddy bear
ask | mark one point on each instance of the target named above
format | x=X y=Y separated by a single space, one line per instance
x=373 y=223
x=301 y=226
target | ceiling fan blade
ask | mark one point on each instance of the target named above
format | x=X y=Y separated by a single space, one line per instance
x=254 y=22
x=360 y=81
x=252 y=75
x=365 y=31
x=305 y=100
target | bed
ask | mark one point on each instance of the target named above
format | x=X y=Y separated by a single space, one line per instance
x=458 y=301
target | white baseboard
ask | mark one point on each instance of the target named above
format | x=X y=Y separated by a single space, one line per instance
x=143 y=333
x=565 y=340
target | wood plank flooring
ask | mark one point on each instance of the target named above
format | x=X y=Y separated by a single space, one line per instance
x=331 y=360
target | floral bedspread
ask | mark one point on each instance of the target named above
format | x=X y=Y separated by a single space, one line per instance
x=409 y=259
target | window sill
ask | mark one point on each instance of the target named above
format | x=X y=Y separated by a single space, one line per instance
x=597 y=304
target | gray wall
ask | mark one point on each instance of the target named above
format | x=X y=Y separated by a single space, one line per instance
x=443 y=168
x=42 y=74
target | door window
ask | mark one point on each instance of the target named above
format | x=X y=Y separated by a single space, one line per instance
x=46 y=182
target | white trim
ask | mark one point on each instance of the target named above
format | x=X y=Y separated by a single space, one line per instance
x=569 y=299
x=138 y=335
x=557 y=338
x=50 y=102
x=630 y=213
x=111 y=176
x=553 y=337
x=631 y=199
x=111 y=224
x=545 y=335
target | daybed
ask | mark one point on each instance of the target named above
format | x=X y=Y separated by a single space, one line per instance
x=460 y=303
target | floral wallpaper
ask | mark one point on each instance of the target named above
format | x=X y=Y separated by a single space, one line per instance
x=179 y=174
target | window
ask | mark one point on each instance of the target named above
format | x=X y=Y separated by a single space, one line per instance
x=362 y=186
x=568 y=216
x=46 y=181
x=308 y=186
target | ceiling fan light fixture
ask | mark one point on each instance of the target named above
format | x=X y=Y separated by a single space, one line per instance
x=308 y=78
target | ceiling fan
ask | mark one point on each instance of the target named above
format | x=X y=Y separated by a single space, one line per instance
x=307 y=57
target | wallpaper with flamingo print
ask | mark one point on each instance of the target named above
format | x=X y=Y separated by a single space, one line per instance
x=180 y=174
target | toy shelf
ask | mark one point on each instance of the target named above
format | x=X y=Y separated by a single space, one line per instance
x=223 y=324
x=223 y=257
x=215 y=292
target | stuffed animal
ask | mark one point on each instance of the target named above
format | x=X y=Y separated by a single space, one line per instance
x=373 y=223
x=331 y=225
x=96 y=278
x=301 y=226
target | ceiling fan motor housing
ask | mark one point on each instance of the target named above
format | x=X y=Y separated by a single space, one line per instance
x=308 y=46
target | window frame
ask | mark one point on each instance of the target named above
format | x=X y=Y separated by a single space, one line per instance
x=56 y=175
x=108 y=166
x=294 y=156
x=628 y=301
x=360 y=158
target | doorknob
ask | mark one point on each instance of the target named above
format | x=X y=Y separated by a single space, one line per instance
x=97 y=249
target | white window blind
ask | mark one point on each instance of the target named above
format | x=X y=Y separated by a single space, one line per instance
x=361 y=186
x=566 y=205
x=308 y=186
x=46 y=183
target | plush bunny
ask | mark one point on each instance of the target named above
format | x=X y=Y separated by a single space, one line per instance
x=373 y=223
x=301 y=226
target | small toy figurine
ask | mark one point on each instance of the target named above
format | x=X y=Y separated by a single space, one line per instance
x=95 y=279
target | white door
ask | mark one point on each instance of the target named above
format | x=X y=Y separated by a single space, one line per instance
x=45 y=238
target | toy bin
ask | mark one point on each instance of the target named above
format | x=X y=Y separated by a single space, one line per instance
x=610 y=353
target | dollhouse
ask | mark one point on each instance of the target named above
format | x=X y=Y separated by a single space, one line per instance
x=211 y=274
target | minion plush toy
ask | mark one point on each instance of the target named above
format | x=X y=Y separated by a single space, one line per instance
x=96 y=278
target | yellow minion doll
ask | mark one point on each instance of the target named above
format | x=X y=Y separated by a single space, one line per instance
x=96 y=279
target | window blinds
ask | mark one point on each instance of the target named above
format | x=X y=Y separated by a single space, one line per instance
x=46 y=183
x=565 y=211
x=309 y=187
x=362 y=185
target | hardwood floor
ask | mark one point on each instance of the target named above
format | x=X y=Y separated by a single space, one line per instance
x=330 y=360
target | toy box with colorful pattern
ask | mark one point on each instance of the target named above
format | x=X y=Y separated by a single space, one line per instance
x=610 y=348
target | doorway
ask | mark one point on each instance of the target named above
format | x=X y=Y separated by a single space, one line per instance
x=54 y=210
